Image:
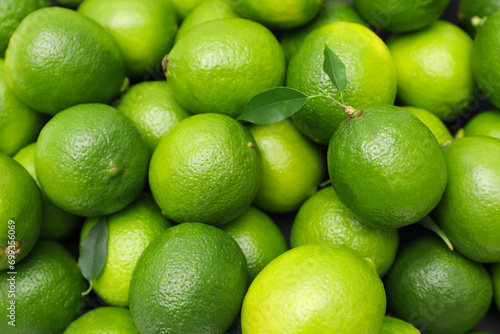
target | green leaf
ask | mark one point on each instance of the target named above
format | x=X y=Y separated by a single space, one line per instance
x=335 y=69
x=273 y=105
x=93 y=250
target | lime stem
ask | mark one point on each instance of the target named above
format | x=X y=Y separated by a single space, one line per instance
x=350 y=111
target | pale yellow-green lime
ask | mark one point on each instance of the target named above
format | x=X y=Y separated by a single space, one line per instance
x=486 y=123
x=371 y=76
x=184 y=7
x=153 y=108
x=437 y=127
x=20 y=213
x=315 y=289
x=109 y=320
x=292 y=166
x=144 y=30
x=324 y=218
x=129 y=232
x=206 y=169
x=223 y=64
x=434 y=71
x=258 y=237
x=91 y=160
x=57 y=224
x=393 y=325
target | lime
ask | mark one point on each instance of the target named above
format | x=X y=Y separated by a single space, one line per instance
x=223 y=64
x=438 y=290
x=191 y=279
x=370 y=72
x=433 y=67
x=129 y=232
x=315 y=289
x=437 y=127
x=258 y=237
x=19 y=124
x=153 y=108
x=281 y=14
x=397 y=326
x=69 y=3
x=144 y=30
x=91 y=160
x=387 y=167
x=206 y=11
x=57 y=224
x=292 y=166
x=206 y=169
x=109 y=320
x=20 y=213
x=470 y=208
x=184 y=7
x=323 y=218
x=495 y=275
x=472 y=13
x=44 y=294
x=487 y=123
x=12 y=12
x=332 y=11
x=58 y=58
x=401 y=15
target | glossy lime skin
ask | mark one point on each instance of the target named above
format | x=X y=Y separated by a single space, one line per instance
x=401 y=15
x=486 y=123
x=48 y=294
x=437 y=127
x=484 y=62
x=191 y=279
x=223 y=64
x=104 y=320
x=470 y=208
x=433 y=66
x=471 y=10
x=370 y=71
x=20 y=212
x=397 y=326
x=91 y=160
x=387 y=167
x=324 y=218
x=438 y=290
x=58 y=58
x=207 y=169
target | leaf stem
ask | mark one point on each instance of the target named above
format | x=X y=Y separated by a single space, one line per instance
x=88 y=290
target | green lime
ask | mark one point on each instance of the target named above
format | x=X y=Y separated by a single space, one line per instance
x=436 y=289
x=433 y=67
x=315 y=289
x=153 y=108
x=292 y=166
x=473 y=13
x=109 y=320
x=486 y=123
x=191 y=279
x=20 y=213
x=495 y=276
x=332 y=11
x=401 y=15
x=223 y=64
x=397 y=326
x=281 y=14
x=206 y=169
x=184 y=7
x=44 y=294
x=19 y=124
x=258 y=237
x=324 y=218
x=206 y=11
x=129 y=232
x=144 y=30
x=57 y=224
x=370 y=72
x=12 y=12
x=91 y=160
x=437 y=127
x=387 y=167
x=468 y=212
x=58 y=58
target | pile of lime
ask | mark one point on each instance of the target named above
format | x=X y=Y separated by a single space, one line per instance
x=250 y=166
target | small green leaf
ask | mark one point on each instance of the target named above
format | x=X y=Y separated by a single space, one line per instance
x=273 y=105
x=335 y=69
x=430 y=224
x=93 y=250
